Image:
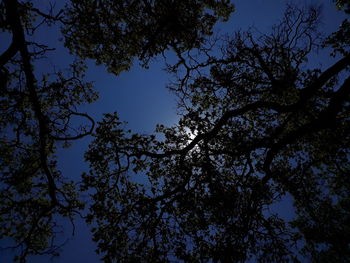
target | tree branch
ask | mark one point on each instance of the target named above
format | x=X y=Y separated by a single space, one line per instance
x=18 y=33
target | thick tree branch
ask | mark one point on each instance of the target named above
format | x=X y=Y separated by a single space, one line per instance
x=325 y=120
x=332 y=71
x=18 y=33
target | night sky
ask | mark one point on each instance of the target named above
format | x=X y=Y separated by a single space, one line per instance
x=140 y=97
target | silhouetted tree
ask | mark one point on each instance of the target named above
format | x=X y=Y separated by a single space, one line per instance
x=38 y=112
x=257 y=123
x=115 y=32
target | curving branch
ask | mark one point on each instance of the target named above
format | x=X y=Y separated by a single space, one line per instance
x=10 y=52
x=79 y=136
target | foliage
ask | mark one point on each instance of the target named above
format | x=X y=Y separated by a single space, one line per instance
x=40 y=111
x=114 y=32
x=257 y=124
x=264 y=126
x=37 y=114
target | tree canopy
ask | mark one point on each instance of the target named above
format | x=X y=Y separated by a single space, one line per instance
x=114 y=32
x=265 y=125
x=258 y=123
x=39 y=112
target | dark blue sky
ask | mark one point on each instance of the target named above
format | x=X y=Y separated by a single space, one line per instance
x=140 y=98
